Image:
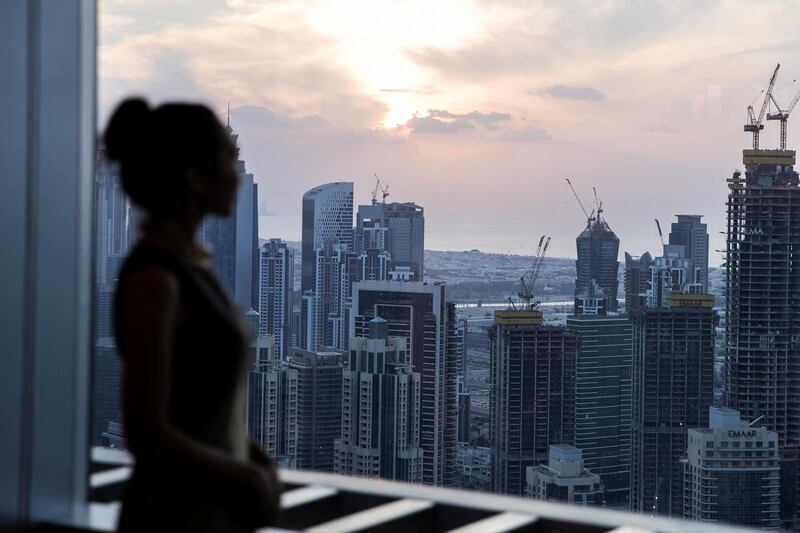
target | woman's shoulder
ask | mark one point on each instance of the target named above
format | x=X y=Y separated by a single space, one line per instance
x=148 y=272
x=150 y=258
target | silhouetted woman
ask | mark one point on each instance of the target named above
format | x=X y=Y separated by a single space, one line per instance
x=182 y=340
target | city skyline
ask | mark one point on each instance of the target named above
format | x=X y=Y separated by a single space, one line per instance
x=604 y=383
x=655 y=365
x=387 y=289
x=609 y=101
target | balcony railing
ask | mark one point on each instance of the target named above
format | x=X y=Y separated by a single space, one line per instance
x=329 y=503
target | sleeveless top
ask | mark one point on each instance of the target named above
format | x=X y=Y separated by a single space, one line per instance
x=206 y=398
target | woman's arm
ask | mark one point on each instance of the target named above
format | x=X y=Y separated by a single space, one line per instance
x=151 y=300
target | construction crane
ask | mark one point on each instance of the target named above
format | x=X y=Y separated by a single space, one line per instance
x=575 y=193
x=528 y=280
x=383 y=188
x=755 y=124
x=598 y=204
x=783 y=115
x=660 y=234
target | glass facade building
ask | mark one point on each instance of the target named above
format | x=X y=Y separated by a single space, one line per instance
x=603 y=400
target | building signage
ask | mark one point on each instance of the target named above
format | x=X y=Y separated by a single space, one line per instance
x=752 y=231
x=746 y=434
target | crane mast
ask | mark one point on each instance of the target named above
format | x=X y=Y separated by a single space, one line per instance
x=755 y=123
x=383 y=188
x=783 y=115
x=528 y=280
x=660 y=234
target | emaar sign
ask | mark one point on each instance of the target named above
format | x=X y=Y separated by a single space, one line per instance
x=734 y=434
x=752 y=231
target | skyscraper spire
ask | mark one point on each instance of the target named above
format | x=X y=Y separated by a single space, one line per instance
x=229 y=130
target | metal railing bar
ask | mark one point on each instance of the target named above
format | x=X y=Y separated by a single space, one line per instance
x=111 y=476
x=375 y=516
x=305 y=495
x=631 y=529
x=499 y=523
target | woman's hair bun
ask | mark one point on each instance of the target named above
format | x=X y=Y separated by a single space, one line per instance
x=128 y=129
x=155 y=146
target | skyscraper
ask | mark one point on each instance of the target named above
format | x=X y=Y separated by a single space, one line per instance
x=464 y=408
x=112 y=219
x=319 y=406
x=327 y=218
x=106 y=388
x=532 y=396
x=327 y=221
x=672 y=385
x=371 y=232
x=732 y=473
x=246 y=276
x=405 y=233
x=272 y=404
x=380 y=409
x=637 y=277
x=598 y=252
x=327 y=306
x=603 y=398
x=420 y=313
x=692 y=234
x=234 y=240
x=671 y=272
x=762 y=311
x=276 y=280
x=112 y=210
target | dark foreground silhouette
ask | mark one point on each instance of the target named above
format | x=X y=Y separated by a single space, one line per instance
x=183 y=341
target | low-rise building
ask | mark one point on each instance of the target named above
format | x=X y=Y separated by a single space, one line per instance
x=474 y=467
x=564 y=479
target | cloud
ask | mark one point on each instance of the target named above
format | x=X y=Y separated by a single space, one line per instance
x=275 y=117
x=479 y=61
x=526 y=135
x=474 y=116
x=589 y=94
x=238 y=55
x=443 y=121
x=430 y=124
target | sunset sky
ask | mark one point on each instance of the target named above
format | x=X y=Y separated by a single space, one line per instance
x=476 y=110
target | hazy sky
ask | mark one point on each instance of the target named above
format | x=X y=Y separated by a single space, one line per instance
x=476 y=110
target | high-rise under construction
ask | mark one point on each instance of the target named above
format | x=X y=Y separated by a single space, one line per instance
x=598 y=250
x=532 y=402
x=763 y=303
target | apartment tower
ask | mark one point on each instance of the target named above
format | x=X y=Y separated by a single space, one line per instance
x=762 y=326
x=532 y=396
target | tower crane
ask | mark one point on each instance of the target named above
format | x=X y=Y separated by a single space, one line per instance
x=528 y=280
x=783 y=115
x=660 y=234
x=598 y=204
x=589 y=216
x=755 y=124
x=383 y=188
